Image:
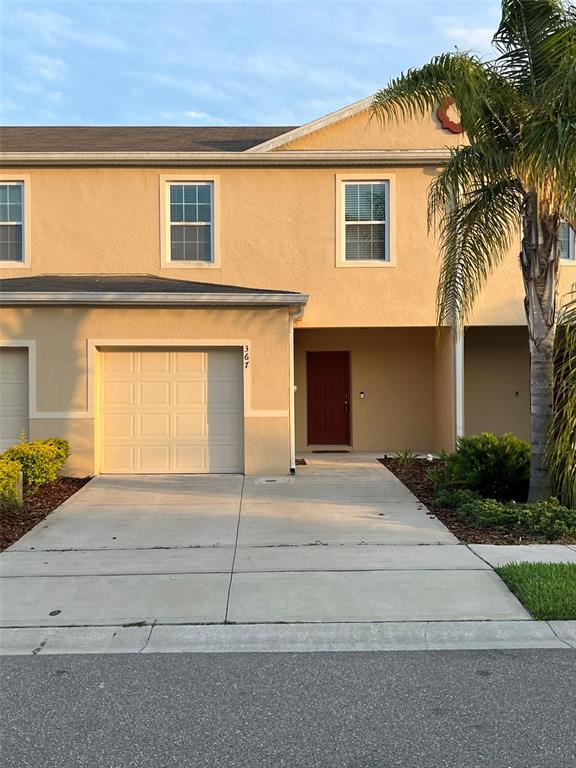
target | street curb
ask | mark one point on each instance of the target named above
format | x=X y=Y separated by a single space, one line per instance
x=289 y=638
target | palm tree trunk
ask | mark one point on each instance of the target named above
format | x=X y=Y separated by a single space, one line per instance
x=539 y=261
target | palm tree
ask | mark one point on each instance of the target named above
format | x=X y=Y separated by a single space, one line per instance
x=518 y=173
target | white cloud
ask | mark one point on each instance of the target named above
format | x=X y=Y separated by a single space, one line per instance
x=54 y=28
x=471 y=38
x=45 y=67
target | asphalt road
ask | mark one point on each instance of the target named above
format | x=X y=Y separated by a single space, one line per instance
x=468 y=709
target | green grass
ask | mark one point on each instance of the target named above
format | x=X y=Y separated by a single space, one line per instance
x=547 y=590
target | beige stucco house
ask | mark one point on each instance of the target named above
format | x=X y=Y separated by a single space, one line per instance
x=218 y=299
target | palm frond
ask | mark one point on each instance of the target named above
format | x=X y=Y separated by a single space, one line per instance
x=475 y=235
x=562 y=435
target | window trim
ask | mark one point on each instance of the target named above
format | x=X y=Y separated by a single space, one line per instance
x=24 y=180
x=571 y=260
x=165 y=182
x=369 y=178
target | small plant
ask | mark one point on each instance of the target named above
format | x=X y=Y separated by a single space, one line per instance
x=40 y=461
x=495 y=467
x=9 y=480
x=405 y=457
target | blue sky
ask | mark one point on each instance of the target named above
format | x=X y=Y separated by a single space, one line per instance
x=279 y=62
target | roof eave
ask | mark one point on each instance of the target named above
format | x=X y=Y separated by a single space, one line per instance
x=317 y=158
x=134 y=298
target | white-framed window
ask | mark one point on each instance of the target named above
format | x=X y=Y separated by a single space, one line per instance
x=12 y=228
x=191 y=221
x=366 y=220
x=567 y=239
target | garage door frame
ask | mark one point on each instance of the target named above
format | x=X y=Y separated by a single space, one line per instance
x=204 y=345
x=24 y=348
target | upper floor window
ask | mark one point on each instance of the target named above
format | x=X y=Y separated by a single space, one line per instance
x=366 y=208
x=191 y=221
x=12 y=222
x=567 y=238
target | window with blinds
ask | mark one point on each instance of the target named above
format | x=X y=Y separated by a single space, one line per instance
x=191 y=221
x=366 y=206
x=567 y=241
x=12 y=221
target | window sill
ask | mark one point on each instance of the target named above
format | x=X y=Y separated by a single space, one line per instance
x=14 y=265
x=190 y=265
x=370 y=264
x=568 y=262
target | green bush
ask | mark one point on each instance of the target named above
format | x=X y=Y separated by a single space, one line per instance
x=548 y=519
x=452 y=498
x=40 y=461
x=9 y=470
x=495 y=467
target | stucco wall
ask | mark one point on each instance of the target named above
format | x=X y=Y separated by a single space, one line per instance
x=277 y=229
x=497 y=381
x=395 y=368
x=64 y=359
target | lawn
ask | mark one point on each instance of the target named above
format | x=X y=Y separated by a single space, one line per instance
x=547 y=590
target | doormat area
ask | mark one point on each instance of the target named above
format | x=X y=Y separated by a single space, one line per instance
x=300 y=462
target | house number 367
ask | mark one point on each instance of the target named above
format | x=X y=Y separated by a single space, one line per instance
x=246 y=356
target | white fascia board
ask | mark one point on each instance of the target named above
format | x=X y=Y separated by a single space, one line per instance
x=314 y=125
x=151 y=299
x=297 y=158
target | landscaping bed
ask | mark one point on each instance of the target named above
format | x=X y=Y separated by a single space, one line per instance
x=414 y=475
x=16 y=521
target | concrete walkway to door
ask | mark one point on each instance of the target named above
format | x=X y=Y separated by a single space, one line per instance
x=343 y=541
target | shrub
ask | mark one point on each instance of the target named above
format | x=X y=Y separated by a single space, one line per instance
x=40 y=461
x=548 y=519
x=9 y=471
x=495 y=467
x=452 y=498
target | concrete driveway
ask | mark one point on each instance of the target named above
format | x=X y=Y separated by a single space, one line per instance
x=343 y=541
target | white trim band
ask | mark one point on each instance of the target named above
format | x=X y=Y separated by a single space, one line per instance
x=31 y=298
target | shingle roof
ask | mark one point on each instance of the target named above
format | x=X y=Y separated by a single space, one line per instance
x=135 y=139
x=141 y=290
x=121 y=284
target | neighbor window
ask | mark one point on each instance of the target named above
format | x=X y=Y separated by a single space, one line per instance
x=567 y=238
x=366 y=208
x=191 y=221
x=11 y=221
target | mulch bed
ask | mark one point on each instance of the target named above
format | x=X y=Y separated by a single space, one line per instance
x=16 y=521
x=415 y=478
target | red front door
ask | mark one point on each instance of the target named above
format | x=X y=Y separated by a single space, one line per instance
x=328 y=398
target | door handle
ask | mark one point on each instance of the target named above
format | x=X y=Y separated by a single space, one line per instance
x=346 y=406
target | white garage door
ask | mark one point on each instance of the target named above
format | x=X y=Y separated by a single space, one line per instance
x=13 y=395
x=171 y=411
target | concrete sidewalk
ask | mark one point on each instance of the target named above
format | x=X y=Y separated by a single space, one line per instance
x=342 y=542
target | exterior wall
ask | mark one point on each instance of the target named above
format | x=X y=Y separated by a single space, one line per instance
x=62 y=389
x=396 y=369
x=444 y=391
x=277 y=230
x=363 y=131
x=497 y=381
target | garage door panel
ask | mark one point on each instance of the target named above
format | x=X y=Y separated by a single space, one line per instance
x=119 y=363
x=118 y=425
x=153 y=393
x=190 y=362
x=190 y=393
x=191 y=458
x=172 y=411
x=154 y=362
x=154 y=458
x=153 y=425
x=190 y=425
x=118 y=393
